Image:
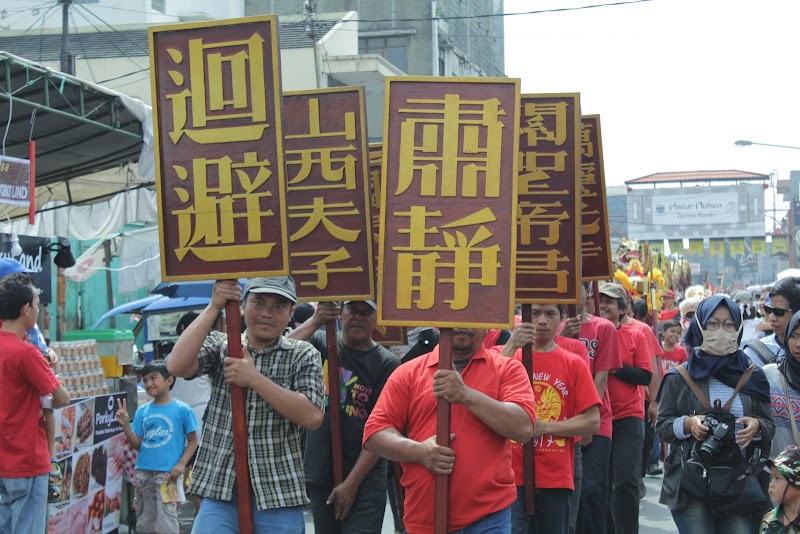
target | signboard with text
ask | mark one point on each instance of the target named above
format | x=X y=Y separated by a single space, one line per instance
x=15 y=181
x=92 y=452
x=36 y=257
x=219 y=149
x=330 y=224
x=384 y=335
x=595 y=236
x=549 y=214
x=448 y=204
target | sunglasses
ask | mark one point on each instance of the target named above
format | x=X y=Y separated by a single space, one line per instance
x=777 y=312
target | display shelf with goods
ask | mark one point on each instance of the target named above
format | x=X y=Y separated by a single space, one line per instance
x=79 y=368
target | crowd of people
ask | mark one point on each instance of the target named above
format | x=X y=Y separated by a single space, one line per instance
x=712 y=392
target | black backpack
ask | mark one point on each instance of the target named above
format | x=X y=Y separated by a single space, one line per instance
x=427 y=340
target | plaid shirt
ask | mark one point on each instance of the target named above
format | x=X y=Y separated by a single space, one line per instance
x=274 y=452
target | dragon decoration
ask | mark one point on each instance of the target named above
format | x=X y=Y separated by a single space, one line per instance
x=647 y=273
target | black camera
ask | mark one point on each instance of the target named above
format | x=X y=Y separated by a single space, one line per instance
x=717 y=433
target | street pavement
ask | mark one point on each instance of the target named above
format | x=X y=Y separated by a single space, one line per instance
x=654 y=518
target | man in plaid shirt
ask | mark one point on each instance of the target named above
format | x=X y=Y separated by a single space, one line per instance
x=282 y=378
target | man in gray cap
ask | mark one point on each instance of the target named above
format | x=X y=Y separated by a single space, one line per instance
x=282 y=379
x=358 y=503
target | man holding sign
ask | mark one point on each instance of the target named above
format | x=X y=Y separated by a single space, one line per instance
x=282 y=379
x=491 y=402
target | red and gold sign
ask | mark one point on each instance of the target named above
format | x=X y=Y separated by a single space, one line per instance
x=330 y=226
x=596 y=239
x=219 y=149
x=548 y=213
x=448 y=204
x=383 y=334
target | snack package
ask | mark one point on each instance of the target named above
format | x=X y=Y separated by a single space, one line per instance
x=172 y=490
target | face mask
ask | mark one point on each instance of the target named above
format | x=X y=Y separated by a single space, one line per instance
x=718 y=342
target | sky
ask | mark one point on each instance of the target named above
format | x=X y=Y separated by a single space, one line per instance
x=676 y=82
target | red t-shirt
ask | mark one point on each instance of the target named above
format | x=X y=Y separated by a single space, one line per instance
x=672 y=358
x=563 y=388
x=626 y=399
x=575 y=347
x=24 y=377
x=652 y=343
x=482 y=481
x=599 y=336
x=666 y=315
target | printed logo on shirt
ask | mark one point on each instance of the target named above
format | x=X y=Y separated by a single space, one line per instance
x=591 y=346
x=353 y=397
x=158 y=431
x=549 y=404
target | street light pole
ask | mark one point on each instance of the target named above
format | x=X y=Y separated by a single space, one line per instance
x=790 y=213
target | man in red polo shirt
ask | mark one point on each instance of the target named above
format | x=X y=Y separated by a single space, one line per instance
x=627 y=407
x=491 y=401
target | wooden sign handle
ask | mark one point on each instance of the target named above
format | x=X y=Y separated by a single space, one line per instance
x=334 y=407
x=443 y=434
x=528 y=465
x=233 y=322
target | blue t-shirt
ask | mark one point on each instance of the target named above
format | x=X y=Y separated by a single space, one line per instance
x=163 y=429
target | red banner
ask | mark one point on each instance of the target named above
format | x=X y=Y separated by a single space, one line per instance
x=596 y=239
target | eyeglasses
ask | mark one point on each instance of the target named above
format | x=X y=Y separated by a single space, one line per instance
x=777 y=312
x=713 y=324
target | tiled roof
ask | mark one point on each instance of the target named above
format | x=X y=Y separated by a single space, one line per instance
x=127 y=43
x=697 y=176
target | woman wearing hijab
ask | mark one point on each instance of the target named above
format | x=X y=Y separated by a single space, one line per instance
x=716 y=364
x=784 y=381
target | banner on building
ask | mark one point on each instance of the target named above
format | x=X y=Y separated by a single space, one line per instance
x=448 y=205
x=780 y=245
x=218 y=138
x=737 y=246
x=696 y=246
x=93 y=454
x=330 y=223
x=676 y=246
x=596 y=263
x=716 y=247
x=759 y=245
x=549 y=208
x=656 y=246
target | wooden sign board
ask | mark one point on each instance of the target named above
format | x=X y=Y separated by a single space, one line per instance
x=595 y=236
x=549 y=213
x=220 y=180
x=330 y=223
x=448 y=205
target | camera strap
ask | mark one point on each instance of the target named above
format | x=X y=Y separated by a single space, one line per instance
x=702 y=396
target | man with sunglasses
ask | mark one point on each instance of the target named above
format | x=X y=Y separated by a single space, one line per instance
x=782 y=301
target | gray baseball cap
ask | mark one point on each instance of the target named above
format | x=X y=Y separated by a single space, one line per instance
x=277 y=285
x=370 y=302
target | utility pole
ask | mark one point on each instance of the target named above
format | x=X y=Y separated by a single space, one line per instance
x=309 y=10
x=66 y=67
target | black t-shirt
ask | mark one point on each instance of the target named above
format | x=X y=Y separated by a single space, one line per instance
x=362 y=377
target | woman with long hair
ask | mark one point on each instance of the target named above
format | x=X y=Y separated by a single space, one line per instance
x=716 y=366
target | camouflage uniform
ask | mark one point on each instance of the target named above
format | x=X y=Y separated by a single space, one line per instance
x=787 y=463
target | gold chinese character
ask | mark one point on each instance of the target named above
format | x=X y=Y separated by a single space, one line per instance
x=242 y=67
x=342 y=177
x=536 y=128
x=533 y=172
x=318 y=213
x=543 y=264
x=206 y=227
x=540 y=215
x=322 y=269
x=314 y=130
x=589 y=250
x=587 y=146
x=588 y=176
x=453 y=139
x=419 y=264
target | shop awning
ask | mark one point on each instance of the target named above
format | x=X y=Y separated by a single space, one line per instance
x=88 y=137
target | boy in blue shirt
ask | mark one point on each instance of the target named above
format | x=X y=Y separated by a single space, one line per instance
x=165 y=434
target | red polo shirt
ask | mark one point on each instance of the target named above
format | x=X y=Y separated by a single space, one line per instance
x=626 y=399
x=482 y=481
